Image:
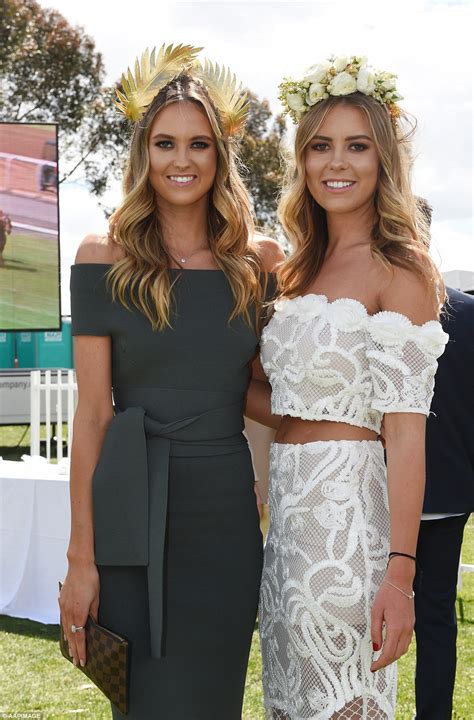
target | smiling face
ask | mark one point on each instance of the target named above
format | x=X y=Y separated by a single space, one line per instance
x=183 y=155
x=341 y=161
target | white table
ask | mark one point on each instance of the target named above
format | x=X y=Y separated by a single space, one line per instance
x=34 y=534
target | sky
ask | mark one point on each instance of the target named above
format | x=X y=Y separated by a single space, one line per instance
x=427 y=44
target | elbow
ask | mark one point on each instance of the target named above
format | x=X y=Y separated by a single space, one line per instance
x=90 y=417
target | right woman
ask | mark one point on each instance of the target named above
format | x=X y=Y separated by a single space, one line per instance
x=165 y=544
x=354 y=339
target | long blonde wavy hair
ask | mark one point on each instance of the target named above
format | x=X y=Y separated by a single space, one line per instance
x=135 y=225
x=400 y=235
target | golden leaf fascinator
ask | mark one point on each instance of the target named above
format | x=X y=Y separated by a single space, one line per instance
x=152 y=73
x=155 y=70
x=225 y=92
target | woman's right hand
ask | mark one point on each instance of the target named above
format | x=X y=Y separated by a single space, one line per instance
x=79 y=596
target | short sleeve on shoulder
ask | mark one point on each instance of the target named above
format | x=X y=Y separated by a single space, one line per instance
x=403 y=362
x=91 y=306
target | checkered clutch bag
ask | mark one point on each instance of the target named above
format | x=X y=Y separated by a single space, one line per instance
x=106 y=661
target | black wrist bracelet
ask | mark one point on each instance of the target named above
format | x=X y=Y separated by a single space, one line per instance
x=400 y=554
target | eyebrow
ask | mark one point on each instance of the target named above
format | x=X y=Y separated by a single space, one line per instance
x=172 y=137
x=351 y=137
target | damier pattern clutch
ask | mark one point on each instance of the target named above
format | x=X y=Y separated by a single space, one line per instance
x=107 y=661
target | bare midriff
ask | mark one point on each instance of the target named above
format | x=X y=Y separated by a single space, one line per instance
x=298 y=431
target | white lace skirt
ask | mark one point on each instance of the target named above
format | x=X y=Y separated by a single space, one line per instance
x=325 y=558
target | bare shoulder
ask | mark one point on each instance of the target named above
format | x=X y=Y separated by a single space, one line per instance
x=98 y=249
x=405 y=292
x=270 y=252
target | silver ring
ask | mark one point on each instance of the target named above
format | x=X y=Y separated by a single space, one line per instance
x=75 y=629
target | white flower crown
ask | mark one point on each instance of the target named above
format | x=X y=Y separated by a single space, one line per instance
x=338 y=76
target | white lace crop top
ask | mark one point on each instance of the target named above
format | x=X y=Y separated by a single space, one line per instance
x=333 y=361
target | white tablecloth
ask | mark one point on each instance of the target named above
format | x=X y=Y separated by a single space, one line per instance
x=34 y=534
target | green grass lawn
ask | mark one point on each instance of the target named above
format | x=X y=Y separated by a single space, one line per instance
x=15 y=442
x=34 y=675
x=29 y=284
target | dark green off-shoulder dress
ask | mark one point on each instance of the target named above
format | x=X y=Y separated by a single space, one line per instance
x=176 y=528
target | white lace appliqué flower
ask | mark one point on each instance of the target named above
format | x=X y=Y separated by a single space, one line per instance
x=317 y=700
x=336 y=490
x=330 y=515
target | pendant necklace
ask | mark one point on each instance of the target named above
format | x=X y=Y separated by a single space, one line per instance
x=183 y=260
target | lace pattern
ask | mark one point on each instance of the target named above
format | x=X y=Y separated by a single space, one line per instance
x=333 y=361
x=325 y=558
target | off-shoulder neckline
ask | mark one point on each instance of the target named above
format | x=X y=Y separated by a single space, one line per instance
x=89 y=264
x=361 y=305
x=186 y=270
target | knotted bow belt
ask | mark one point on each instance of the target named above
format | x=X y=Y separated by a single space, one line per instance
x=129 y=520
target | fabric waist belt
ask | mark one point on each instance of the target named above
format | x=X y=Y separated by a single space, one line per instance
x=129 y=521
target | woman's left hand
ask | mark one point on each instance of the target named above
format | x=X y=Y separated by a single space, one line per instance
x=397 y=612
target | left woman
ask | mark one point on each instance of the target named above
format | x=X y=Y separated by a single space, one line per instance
x=165 y=543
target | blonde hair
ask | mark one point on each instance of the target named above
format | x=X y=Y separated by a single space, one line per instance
x=135 y=225
x=400 y=235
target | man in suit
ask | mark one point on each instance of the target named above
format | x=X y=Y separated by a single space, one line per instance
x=449 y=499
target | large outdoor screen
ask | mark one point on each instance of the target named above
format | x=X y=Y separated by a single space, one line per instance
x=29 y=227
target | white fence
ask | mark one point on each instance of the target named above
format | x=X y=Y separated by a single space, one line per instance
x=55 y=400
x=9 y=162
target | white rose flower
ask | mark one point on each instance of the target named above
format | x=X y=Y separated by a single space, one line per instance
x=283 y=306
x=389 y=328
x=365 y=81
x=315 y=93
x=340 y=63
x=347 y=314
x=389 y=84
x=342 y=84
x=307 y=307
x=316 y=73
x=295 y=101
x=431 y=336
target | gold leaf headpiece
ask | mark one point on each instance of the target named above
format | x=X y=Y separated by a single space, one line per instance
x=151 y=75
x=225 y=93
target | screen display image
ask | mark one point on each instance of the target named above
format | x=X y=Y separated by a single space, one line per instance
x=29 y=227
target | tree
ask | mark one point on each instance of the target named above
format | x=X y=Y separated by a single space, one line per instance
x=51 y=72
x=50 y=69
x=260 y=151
